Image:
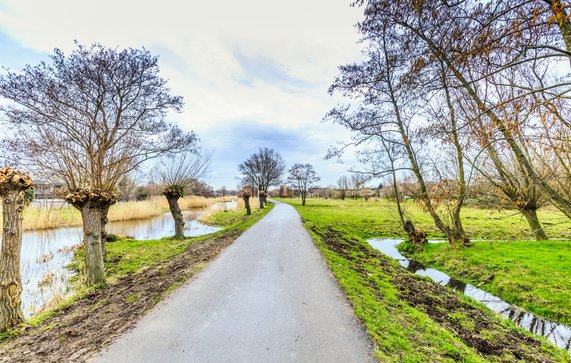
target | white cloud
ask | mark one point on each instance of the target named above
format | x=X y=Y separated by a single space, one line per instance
x=198 y=41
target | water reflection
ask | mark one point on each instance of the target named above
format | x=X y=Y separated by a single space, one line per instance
x=45 y=253
x=557 y=333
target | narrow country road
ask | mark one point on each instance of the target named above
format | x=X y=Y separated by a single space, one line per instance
x=269 y=297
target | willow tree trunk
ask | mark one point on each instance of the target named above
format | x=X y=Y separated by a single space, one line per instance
x=176 y=214
x=534 y=224
x=94 y=268
x=10 y=277
x=104 y=220
x=247 y=205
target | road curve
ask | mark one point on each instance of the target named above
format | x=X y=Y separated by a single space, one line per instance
x=269 y=297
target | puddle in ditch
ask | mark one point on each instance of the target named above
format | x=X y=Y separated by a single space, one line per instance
x=557 y=333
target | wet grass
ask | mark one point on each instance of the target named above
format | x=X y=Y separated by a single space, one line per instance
x=533 y=275
x=409 y=318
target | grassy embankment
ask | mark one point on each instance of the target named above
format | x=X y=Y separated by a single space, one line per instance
x=128 y=256
x=533 y=275
x=140 y=273
x=53 y=216
x=410 y=318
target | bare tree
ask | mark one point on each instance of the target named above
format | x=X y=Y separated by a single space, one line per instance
x=87 y=119
x=358 y=181
x=388 y=113
x=479 y=45
x=303 y=177
x=517 y=189
x=13 y=184
x=178 y=175
x=343 y=184
x=262 y=170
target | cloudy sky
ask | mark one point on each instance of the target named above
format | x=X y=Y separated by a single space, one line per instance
x=253 y=73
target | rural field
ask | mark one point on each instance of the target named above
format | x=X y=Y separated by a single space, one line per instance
x=425 y=322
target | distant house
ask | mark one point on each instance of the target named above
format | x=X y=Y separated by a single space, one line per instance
x=46 y=190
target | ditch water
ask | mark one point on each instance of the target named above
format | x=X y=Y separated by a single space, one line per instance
x=45 y=253
x=557 y=333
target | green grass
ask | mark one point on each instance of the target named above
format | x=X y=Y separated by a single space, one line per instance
x=533 y=275
x=400 y=332
x=380 y=219
x=235 y=217
x=127 y=256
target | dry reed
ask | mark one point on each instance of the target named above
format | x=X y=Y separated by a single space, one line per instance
x=138 y=209
x=194 y=202
x=254 y=203
x=55 y=215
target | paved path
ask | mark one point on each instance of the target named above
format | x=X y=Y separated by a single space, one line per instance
x=269 y=297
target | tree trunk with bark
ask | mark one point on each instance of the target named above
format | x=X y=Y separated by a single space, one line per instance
x=530 y=215
x=94 y=268
x=417 y=238
x=104 y=211
x=10 y=276
x=303 y=196
x=13 y=185
x=172 y=198
x=90 y=202
x=263 y=195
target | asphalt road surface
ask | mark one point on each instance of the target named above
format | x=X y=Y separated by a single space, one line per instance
x=269 y=297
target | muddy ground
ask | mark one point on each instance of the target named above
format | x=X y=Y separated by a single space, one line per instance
x=438 y=302
x=78 y=332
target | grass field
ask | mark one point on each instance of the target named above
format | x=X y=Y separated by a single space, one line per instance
x=379 y=219
x=409 y=318
x=533 y=275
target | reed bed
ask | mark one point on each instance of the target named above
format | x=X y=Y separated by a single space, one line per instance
x=53 y=215
x=194 y=202
x=254 y=203
x=50 y=216
x=138 y=209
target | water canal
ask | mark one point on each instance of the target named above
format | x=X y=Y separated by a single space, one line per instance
x=46 y=253
x=557 y=333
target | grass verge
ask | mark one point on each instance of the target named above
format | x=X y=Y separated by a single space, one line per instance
x=140 y=274
x=409 y=318
x=533 y=275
